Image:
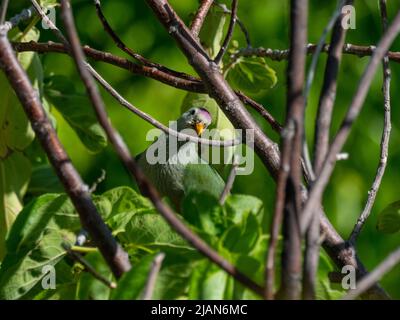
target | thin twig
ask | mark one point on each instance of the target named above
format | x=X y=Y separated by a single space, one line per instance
x=229 y=34
x=3 y=11
x=115 y=256
x=311 y=74
x=311 y=256
x=384 y=148
x=374 y=276
x=152 y=277
x=20 y=17
x=88 y=267
x=279 y=55
x=120 y=44
x=194 y=85
x=230 y=181
x=328 y=94
x=124 y=154
x=200 y=16
x=238 y=21
x=356 y=105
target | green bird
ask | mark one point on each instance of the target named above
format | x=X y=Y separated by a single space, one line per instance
x=176 y=171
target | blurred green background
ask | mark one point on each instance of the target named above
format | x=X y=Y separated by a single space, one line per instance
x=267 y=22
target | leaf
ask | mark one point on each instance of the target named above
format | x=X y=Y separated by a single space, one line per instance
x=44 y=180
x=212 y=31
x=132 y=283
x=35 y=241
x=15 y=171
x=389 y=218
x=251 y=75
x=77 y=110
x=90 y=288
x=239 y=205
x=209 y=282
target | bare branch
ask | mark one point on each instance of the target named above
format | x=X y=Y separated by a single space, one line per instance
x=124 y=154
x=292 y=140
x=344 y=130
x=373 y=277
x=20 y=17
x=116 y=258
x=120 y=44
x=279 y=55
x=193 y=86
x=151 y=279
x=229 y=34
x=200 y=16
x=3 y=11
x=384 y=150
x=230 y=181
x=328 y=94
x=88 y=267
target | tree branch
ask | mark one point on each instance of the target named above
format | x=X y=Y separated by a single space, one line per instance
x=116 y=258
x=3 y=11
x=200 y=16
x=384 y=150
x=373 y=277
x=291 y=170
x=279 y=55
x=152 y=277
x=344 y=130
x=194 y=85
x=328 y=94
x=229 y=34
x=124 y=154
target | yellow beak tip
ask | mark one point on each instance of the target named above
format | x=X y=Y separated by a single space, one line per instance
x=199 y=127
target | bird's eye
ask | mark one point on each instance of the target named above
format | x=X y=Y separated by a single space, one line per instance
x=192 y=112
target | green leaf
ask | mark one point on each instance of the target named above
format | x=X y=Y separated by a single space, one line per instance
x=77 y=110
x=209 y=282
x=251 y=75
x=90 y=288
x=44 y=180
x=15 y=171
x=212 y=31
x=389 y=218
x=132 y=283
x=35 y=241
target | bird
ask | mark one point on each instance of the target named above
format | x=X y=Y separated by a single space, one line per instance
x=183 y=170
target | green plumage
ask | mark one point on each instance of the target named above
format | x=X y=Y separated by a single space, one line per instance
x=183 y=171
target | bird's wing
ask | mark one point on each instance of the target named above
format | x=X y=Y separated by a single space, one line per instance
x=203 y=178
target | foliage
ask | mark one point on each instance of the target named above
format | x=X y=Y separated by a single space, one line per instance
x=36 y=218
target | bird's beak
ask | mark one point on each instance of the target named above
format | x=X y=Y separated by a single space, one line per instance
x=199 y=127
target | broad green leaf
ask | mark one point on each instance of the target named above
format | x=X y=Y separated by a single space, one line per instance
x=48 y=3
x=132 y=283
x=389 y=218
x=203 y=211
x=15 y=171
x=77 y=110
x=44 y=180
x=209 y=282
x=239 y=205
x=251 y=75
x=241 y=238
x=90 y=288
x=35 y=241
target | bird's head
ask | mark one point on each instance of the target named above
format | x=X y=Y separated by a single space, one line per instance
x=197 y=119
